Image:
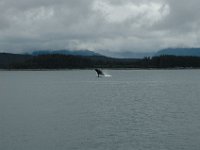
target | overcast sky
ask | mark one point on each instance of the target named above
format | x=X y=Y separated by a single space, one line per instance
x=117 y=25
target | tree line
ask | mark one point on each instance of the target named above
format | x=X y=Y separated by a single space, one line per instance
x=56 y=61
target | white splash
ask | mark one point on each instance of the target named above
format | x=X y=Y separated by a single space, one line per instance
x=107 y=75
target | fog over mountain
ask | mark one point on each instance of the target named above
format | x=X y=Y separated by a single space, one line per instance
x=114 y=25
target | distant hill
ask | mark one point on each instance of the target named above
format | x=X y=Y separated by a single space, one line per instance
x=65 y=52
x=168 y=51
x=126 y=54
x=63 y=59
x=179 y=52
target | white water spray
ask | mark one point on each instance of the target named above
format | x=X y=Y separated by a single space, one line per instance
x=107 y=75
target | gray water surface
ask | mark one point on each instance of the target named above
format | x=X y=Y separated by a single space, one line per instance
x=75 y=110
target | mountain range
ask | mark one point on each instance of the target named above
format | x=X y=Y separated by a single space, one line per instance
x=122 y=54
x=126 y=54
x=65 y=52
x=167 y=51
x=179 y=52
x=60 y=59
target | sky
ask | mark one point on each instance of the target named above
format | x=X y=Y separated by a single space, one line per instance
x=114 y=25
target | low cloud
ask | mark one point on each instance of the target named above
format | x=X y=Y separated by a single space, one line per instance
x=116 y=25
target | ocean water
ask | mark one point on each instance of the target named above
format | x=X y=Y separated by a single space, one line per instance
x=75 y=110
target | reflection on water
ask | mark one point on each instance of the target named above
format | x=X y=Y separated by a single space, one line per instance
x=133 y=109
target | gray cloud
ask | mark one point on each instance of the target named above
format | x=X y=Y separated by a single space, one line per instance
x=133 y=25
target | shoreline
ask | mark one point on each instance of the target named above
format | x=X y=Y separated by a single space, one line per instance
x=100 y=68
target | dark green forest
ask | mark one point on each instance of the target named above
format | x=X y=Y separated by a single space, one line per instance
x=58 y=61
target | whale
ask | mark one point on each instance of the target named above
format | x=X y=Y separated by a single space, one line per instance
x=99 y=72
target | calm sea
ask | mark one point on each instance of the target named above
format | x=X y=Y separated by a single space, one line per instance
x=75 y=110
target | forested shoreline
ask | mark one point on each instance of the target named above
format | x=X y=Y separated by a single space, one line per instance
x=57 y=61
